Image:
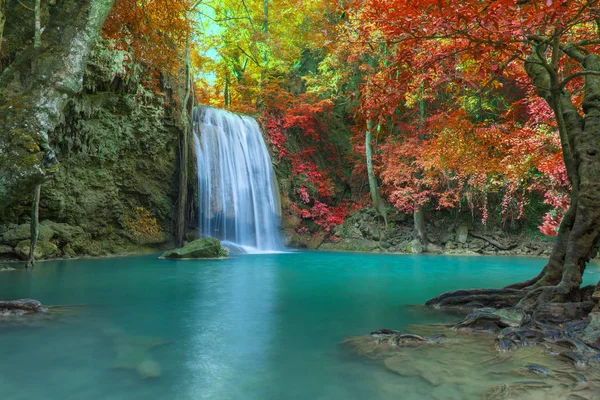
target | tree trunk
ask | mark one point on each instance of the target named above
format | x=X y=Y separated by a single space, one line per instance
x=373 y=187
x=37 y=38
x=34 y=225
x=419 y=219
x=36 y=88
x=418 y=216
x=579 y=231
x=2 y=22
x=183 y=152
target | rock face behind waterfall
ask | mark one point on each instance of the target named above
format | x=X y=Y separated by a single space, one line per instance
x=117 y=152
x=238 y=199
x=199 y=248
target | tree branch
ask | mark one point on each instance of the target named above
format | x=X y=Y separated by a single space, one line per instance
x=566 y=80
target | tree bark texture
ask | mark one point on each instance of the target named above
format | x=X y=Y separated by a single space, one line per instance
x=419 y=220
x=37 y=38
x=184 y=152
x=2 y=21
x=34 y=224
x=35 y=89
x=373 y=187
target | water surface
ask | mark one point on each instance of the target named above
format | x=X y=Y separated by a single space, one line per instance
x=251 y=327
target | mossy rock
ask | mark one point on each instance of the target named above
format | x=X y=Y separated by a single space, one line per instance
x=62 y=230
x=199 y=248
x=4 y=250
x=69 y=252
x=23 y=231
x=43 y=250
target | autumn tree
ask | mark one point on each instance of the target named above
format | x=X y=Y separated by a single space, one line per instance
x=251 y=44
x=556 y=45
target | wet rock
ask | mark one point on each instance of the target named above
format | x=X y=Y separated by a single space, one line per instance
x=348 y=244
x=559 y=312
x=480 y=319
x=5 y=268
x=415 y=247
x=20 y=307
x=536 y=369
x=462 y=234
x=434 y=248
x=200 y=248
x=591 y=334
x=512 y=317
x=43 y=250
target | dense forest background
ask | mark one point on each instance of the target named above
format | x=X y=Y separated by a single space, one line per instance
x=383 y=122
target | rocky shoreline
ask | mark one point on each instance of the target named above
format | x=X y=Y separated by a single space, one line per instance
x=364 y=231
x=58 y=241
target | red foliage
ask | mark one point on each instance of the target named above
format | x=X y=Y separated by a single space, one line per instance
x=285 y=116
x=447 y=84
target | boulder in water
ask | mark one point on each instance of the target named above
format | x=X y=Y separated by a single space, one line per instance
x=20 y=307
x=199 y=248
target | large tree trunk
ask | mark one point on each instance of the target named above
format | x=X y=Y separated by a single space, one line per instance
x=373 y=187
x=35 y=90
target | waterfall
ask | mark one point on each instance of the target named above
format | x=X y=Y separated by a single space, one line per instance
x=238 y=200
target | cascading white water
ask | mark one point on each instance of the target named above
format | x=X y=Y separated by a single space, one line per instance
x=237 y=191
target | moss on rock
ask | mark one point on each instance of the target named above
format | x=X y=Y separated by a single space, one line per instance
x=43 y=250
x=199 y=248
x=117 y=151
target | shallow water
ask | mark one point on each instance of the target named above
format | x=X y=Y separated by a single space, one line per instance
x=251 y=327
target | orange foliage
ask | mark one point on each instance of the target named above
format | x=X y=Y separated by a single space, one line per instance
x=141 y=224
x=155 y=30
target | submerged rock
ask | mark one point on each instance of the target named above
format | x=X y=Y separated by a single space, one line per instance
x=453 y=365
x=199 y=248
x=20 y=307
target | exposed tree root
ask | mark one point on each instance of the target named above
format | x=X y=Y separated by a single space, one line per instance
x=494 y=242
x=497 y=298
